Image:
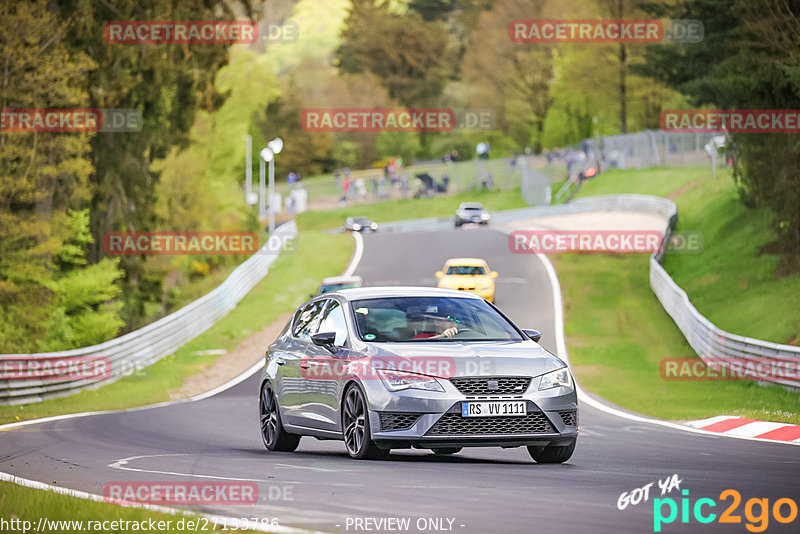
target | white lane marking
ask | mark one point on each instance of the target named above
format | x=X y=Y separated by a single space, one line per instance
x=219 y=519
x=289 y=466
x=561 y=347
x=356 y=254
x=123 y=465
x=8 y=477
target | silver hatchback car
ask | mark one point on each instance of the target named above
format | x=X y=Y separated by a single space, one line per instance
x=401 y=367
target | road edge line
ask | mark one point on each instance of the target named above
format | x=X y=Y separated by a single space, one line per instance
x=561 y=348
x=354 y=262
x=357 y=254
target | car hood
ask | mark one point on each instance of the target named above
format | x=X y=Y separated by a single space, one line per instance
x=452 y=358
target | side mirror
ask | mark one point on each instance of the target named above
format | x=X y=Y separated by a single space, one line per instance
x=533 y=334
x=439 y=274
x=493 y=274
x=324 y=339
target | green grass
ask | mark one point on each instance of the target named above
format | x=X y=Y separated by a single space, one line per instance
x=618 y=332
x=26 y=504
x=290 y=280
x=729 y=282
x=412 y=208
x=658 y=181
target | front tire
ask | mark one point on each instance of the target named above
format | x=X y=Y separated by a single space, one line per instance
x=552 y=454
x=273 y=434
x=355 y=426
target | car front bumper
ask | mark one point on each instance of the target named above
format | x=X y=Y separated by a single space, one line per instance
x=544 y=423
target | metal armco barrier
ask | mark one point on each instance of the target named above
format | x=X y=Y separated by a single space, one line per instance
x=709 y=342
x=147 y=345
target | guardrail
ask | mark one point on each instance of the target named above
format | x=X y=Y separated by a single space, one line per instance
x=711 y=343
x=144 y=346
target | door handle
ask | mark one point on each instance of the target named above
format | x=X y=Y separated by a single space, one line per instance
x=279 y=360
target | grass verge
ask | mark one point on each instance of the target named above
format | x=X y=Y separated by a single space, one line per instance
x=618 y=332
x=730 y=281
x=290 y=280
x=22 y=504
x=412 y=208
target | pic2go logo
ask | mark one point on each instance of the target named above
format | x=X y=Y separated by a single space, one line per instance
x=783 y=511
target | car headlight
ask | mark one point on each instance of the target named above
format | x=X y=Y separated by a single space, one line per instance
x=554 y=379
x=485 y=216
x=356 y=227
x=374 y=226
x=400 y=380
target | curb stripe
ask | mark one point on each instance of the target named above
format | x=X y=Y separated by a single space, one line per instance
x=729 y=424
x=786 y=433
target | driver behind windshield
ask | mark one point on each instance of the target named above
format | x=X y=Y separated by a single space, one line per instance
x=443 y=327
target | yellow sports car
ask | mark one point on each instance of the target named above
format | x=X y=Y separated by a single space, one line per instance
x=468 y=274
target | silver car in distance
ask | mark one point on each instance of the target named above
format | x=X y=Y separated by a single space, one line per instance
x=401 y=367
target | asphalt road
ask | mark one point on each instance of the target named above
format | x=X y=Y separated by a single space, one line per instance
x=476 y=491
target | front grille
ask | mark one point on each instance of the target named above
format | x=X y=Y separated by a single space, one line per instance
x=569 y=418
x=398 y=421
x=492 y=385
x=453 y=424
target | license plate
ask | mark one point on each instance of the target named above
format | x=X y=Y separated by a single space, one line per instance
x=493 y=409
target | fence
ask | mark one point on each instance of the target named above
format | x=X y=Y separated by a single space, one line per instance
x=711 y=343
x=651 y=148
x=146 y=345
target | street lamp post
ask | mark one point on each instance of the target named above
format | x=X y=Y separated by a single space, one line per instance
x=262 y=186
x=268 y=155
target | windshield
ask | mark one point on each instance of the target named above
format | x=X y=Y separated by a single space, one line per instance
x=403 y=319
x=468 y=270
x=473 y=208
x=336 y=287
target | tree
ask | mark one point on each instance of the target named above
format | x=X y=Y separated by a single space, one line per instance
x=86 y=307
x=42 y=175
x=413 y=58
x=748 y=59
x=169 y=83
x=512 y=78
